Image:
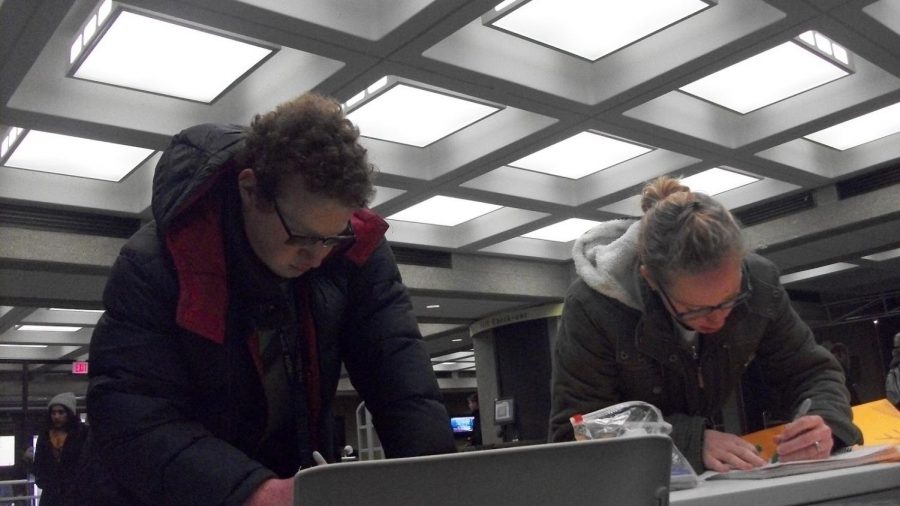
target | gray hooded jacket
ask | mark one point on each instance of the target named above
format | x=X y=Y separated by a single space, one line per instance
x=617 y=343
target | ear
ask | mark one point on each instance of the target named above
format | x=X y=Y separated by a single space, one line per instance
x=247 y=187
x=645 y=273
x=247 y=181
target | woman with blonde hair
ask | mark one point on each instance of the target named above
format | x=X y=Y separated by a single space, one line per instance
x=670 y=310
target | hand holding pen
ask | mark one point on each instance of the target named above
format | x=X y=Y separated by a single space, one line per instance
x=806 y=437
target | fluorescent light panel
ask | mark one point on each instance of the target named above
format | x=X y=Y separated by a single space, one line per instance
x=591 y=29
x=564 y=231
x=883 y=255
x=47 y=328
x=860 y=130
x=580 y=155
x=814 y=273
x=411 y=115
x=716 y=180
x=148 y=54
x=458 y=356
x=773 y=75
x=76 y=310
x=453 y=366
x=9 y=345
x=75 y=156
x=447 y=211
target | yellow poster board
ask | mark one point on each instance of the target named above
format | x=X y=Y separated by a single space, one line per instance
x=879 y=422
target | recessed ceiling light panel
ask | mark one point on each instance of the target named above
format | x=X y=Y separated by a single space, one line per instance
x=453 y=366
x=580 y=155
x=398 y=111
x=785 y=70
x=564 y=231
x=74 y=156
x=137 y=51
x=860 y=130
x=587 y=28
x=814 y=273
x=716 y=180
x=883 y=255
x=47 y=328
x=447 y=211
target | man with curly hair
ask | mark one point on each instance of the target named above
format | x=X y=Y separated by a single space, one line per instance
x=229 y=317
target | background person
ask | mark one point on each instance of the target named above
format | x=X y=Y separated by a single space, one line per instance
x=892 y=382
x=670 y=310
x=214 y=367
x=475 y=438
x=842 y=354
x=58 y=462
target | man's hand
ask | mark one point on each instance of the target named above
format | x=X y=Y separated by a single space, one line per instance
x=273 y=493
x=723 y=452
x=805 y=438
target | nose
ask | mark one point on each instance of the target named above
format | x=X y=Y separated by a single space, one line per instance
x=717 y=317
x=314 y=256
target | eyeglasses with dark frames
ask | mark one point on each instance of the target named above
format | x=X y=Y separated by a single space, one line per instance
x=345 y=238
x=740 y=298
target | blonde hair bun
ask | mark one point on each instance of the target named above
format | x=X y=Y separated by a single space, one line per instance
x=658 y=190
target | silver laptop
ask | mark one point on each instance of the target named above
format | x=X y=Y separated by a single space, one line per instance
x=624 y=471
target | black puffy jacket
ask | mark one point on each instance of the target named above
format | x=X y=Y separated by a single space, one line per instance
x=176 y=400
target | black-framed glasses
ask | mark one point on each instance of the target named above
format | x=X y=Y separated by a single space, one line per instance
x=740 y=298
x=343 y=239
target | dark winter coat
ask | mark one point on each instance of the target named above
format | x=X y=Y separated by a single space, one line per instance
x=60 y=481
x=617 y=342
x=176 y=398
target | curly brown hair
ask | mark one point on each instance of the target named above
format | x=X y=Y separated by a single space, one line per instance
x=310 y=136
x=683 y=232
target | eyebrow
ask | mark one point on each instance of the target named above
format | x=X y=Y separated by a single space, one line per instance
x=733 y=296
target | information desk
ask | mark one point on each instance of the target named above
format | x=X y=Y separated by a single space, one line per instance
x=869 y=484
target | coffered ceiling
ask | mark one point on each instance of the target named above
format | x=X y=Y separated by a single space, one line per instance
x=525 y=108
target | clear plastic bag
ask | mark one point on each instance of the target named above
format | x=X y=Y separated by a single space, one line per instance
x=629 y=419
x=625 y=419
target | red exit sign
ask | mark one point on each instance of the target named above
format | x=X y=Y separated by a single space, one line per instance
x=79 y=367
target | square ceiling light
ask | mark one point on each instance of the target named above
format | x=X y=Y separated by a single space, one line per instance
x=791 y=68
x=564 y=231
x=48 y=328
x=587 y=28
x=860 y=130
x=396 y=110
x=135 y=50
x=716 y=180
x=70 y=156
x=453 y=366
x=446 y=211
x=580 y=155
x=814 y=273
x=883 y=255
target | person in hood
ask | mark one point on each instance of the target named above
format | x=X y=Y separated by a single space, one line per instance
x=58 y=462
x=229 y=317
x=892 y=380
x=671 y=310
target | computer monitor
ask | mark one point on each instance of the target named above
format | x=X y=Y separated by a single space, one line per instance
x=633 y=470
x=462 y=425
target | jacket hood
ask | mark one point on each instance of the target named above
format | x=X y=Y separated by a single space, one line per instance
x=606 y=259
x=190 y=166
